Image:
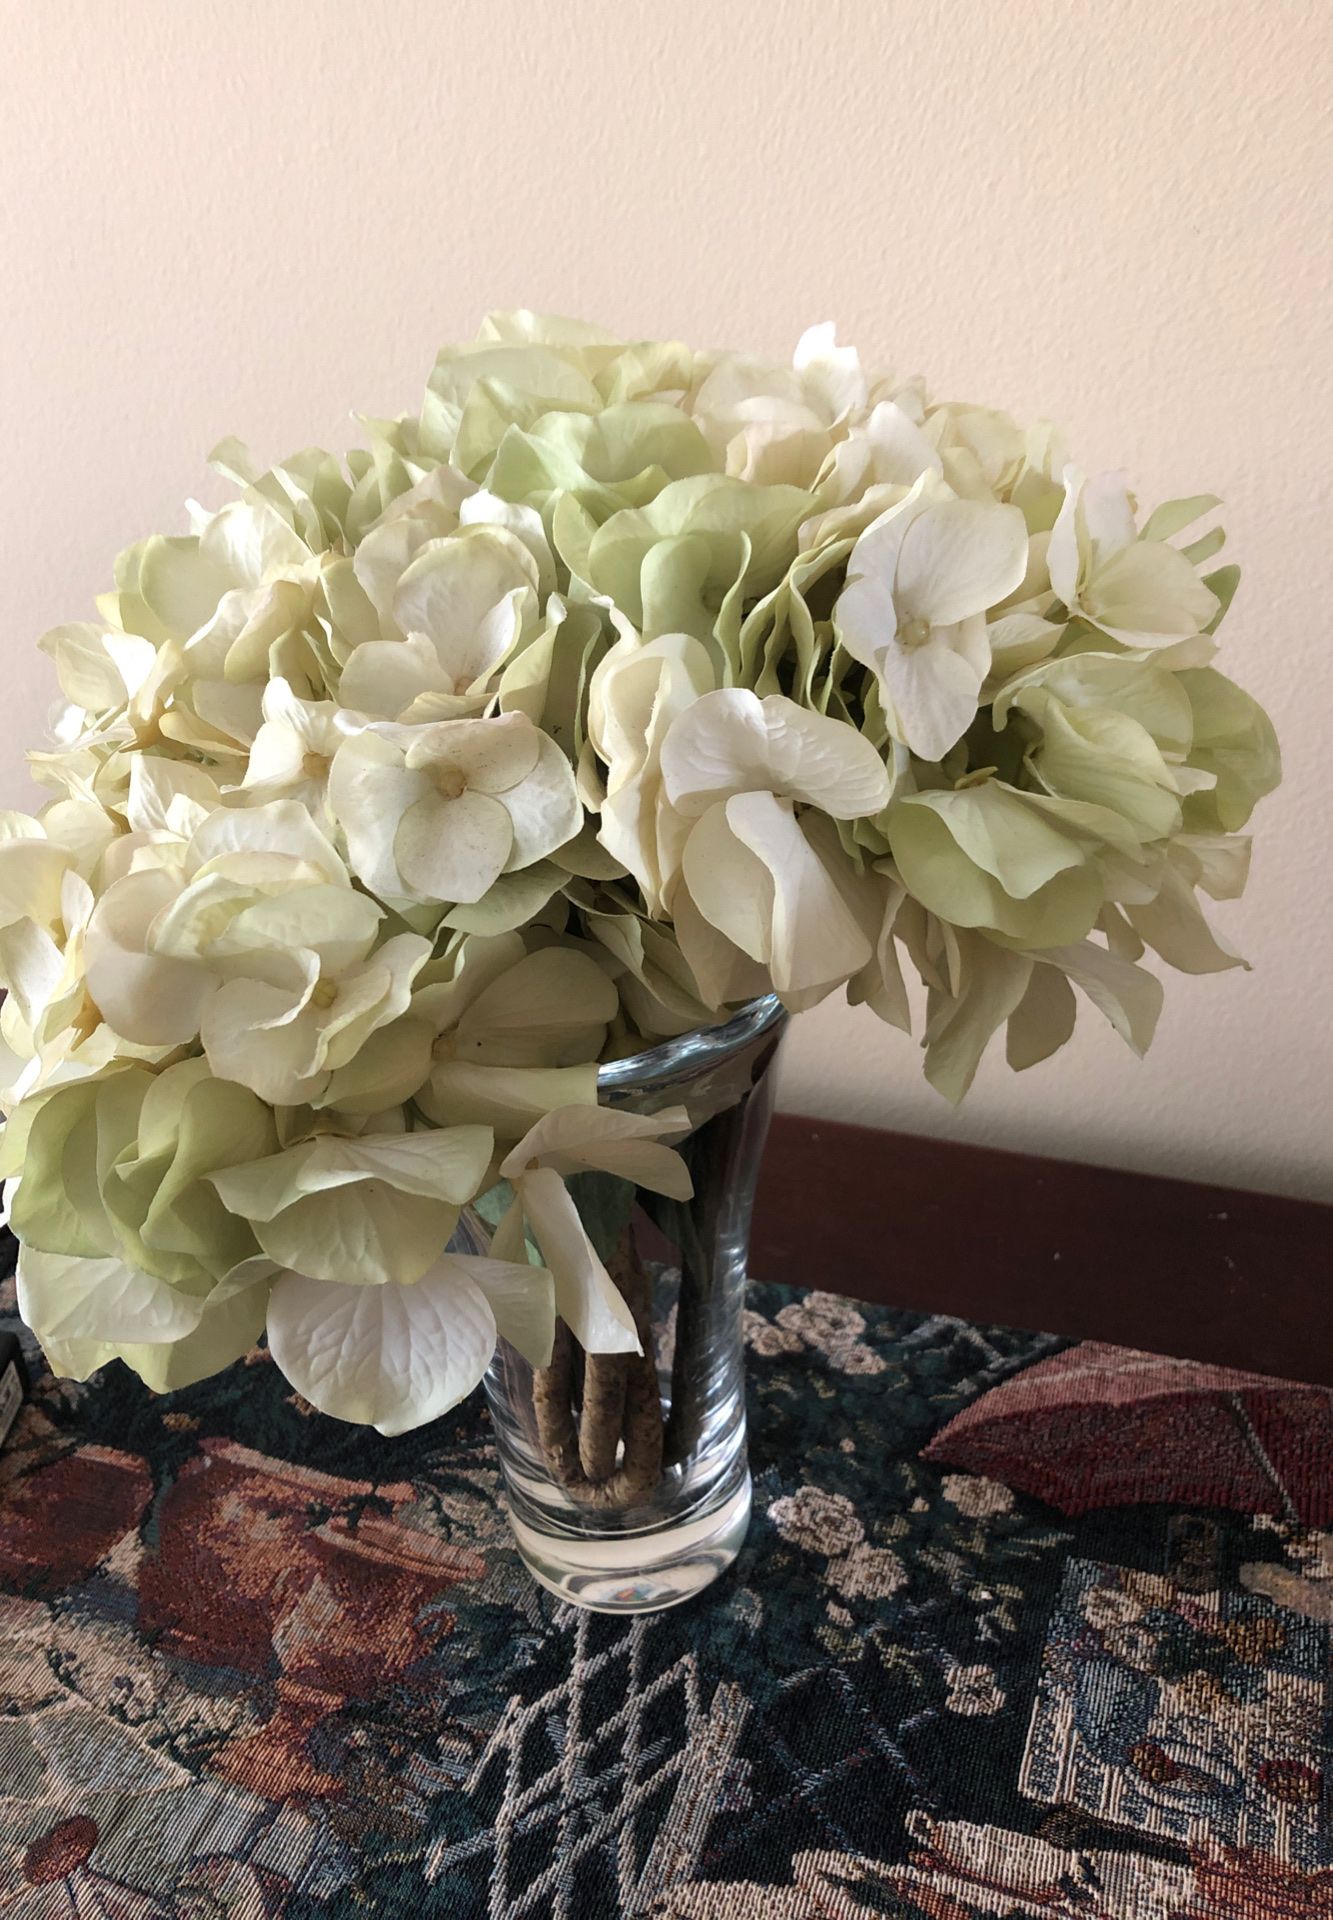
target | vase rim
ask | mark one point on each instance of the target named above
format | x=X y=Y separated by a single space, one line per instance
x=694 y=1051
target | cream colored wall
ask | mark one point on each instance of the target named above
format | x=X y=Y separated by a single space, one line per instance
x=247 y=217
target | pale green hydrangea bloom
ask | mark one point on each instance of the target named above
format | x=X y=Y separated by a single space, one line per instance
x=621 y=683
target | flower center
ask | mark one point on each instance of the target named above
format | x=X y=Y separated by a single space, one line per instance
x=324 y=994
x=913 y=633
x=315 y=766
x=450 y=782
x=976 y=778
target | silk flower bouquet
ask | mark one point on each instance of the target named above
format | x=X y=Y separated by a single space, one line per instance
x=620 y=686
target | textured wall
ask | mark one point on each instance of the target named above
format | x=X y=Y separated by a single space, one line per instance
x=246 y=218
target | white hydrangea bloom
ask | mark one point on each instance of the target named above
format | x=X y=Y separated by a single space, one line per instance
x=621 y=685
x=920 y=581
x=441 y=811
x=294 y=747
x=738 y=768
x=260 y=895
x=1141 y=592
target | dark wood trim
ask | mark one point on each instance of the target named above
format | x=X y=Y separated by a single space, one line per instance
x=1204 y=1273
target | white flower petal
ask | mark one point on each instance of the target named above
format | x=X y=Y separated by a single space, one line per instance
x=900 y=451
x=427 y=511
x=157 y=788
x=392 y=1357
x=71 y=1298
x=279 y=826
x=384 y=677
x=361 y=1233
x=468 y=596
x=962 y=1026
x=453 y=848
x=1108 y=516
x=865 y=617
x=228 y=1327
x=1065 y=549
x=728 y=884
x=492 y=755
x=522 y=1298
x=181 y=585
x=1020 y=640
x=1129 y=996
x=1175 y=926
x=636 y=690
x=626 y=1144
x=524 y=523
x=144 y=997
x=716 y=747
x=90 y=673
x=250 y=542
x=959 y=558
x=370 y=789
x=1005 y=836
x=1042 y=1021
x=506 y=1098
x=252 y=1033
x=832 y=376
x=1149 y=595
x=544 y=808
x=337 y=924
x=823 y=762
x=815 y=937
x=445 y=1164
x=32 y=875
x=719 y=972
x=32 y=967
x=932 y=692
x=537 y=1010
x=514 y=901
x=586 y=1297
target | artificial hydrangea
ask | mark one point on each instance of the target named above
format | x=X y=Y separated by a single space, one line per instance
x=620 y=684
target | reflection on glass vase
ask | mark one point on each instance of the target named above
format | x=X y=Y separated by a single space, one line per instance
x=626 y=1474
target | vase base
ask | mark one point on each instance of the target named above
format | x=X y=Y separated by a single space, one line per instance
x=637 y=1572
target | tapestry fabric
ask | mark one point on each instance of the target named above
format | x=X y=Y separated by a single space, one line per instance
x=1018 y=1630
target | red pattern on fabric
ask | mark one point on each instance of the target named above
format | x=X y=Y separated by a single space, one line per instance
x=247 y=1577
x=1101 y=1426
x=62 y=1519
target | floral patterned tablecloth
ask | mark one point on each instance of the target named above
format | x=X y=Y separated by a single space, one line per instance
x=256 y=1663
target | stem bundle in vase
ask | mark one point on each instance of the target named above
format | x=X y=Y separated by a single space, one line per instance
x=600 y=1429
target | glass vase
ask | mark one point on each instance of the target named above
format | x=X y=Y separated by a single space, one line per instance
x=626 y=1475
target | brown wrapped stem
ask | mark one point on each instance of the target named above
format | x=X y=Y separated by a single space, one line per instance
x=603 y=1413
x=621 y=1403
x=554 y=1413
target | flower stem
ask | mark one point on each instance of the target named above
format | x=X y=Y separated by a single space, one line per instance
x=621 y=1412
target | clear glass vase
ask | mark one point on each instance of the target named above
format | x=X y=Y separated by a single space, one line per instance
x=626 y=1477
